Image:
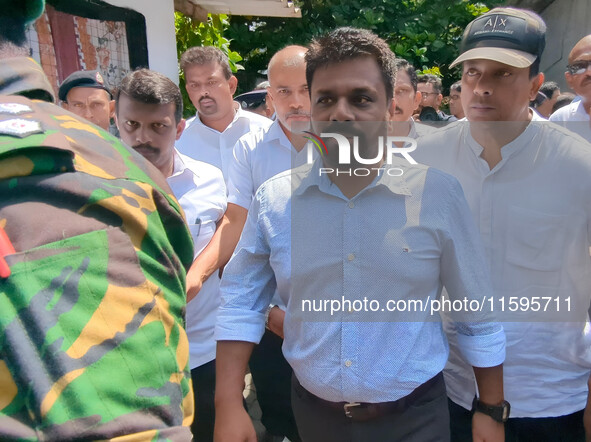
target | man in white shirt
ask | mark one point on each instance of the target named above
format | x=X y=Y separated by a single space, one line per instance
x=575 y=116
x=407 y=98
x=149 y=117
x=211 y=134
x=210 y=137
x=528 y=184
x=259 y=156
x=251 y=165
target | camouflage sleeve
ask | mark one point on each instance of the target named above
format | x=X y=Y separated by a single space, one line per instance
x=92 y=340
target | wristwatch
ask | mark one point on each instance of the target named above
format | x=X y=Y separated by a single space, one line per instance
x=500 y=413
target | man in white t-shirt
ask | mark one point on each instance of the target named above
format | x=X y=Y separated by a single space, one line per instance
x=528 y=185
x=211 y=134
x=149 y=110
x=575 y=116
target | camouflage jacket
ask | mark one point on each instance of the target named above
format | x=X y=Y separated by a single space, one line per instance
x=92 y=344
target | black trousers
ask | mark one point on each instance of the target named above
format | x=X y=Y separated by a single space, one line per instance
x=204 y=392
x=272 y=379
x=568 y=428
x=426 y=420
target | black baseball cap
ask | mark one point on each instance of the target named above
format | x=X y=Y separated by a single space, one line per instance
x=92 y=79
x=252 y=100
x=511 y=36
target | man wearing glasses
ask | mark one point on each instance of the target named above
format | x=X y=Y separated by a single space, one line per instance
x=578 y=76
x=430 y=88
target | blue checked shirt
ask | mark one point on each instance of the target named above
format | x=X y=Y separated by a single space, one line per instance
x=396 y=243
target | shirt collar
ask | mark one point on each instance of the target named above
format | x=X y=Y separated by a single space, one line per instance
x=240 y=114
x=510 y=148
x=306 y=177
x=178 y=166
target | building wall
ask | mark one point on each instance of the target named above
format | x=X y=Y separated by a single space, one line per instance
x=160 y=31
x=567 y=21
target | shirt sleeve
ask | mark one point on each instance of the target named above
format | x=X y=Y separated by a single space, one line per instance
x=240 y=183
x=248 y=283
x=465 y=275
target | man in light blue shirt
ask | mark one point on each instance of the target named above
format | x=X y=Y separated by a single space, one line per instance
x=359 y=253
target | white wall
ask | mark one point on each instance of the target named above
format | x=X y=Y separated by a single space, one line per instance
x=567 y=21
x=161 y=37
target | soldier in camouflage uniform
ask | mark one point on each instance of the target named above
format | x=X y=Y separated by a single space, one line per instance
x=92 y=344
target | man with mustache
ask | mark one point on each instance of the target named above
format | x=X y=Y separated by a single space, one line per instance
x=211 y=135
x=149 y=111
x=257 y=157
x=407 y=98
x=578 y=76
x=528 y=184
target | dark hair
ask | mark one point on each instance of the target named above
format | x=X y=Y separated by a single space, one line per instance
x=346 y=43
x=12 y=31
x=432 y=79
x=200 y=55
x=151 y=87
x=548 y=88
x=403 y=65
x=457 y=86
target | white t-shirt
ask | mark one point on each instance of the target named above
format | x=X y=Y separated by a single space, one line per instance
x=259 y=156
x=533 y=211
x=201 y=192
x=574 y=118
x=203 y=143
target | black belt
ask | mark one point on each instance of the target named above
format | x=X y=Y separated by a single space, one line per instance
x=364 y=411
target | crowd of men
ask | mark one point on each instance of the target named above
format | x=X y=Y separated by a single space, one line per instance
x=143 y=274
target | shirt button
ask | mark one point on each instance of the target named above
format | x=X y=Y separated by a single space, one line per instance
x=350 y=257
x=351 y=204
x=348 y=363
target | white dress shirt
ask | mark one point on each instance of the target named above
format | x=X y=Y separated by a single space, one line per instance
x=401 y=239
x=203 y=143
x=574 y=118
x=201 y=192
x=259 y=156
x=533 y=210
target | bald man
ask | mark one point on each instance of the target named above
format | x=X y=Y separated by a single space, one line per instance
x=578 y=76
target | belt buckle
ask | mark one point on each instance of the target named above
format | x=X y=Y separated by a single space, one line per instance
x=348 y=407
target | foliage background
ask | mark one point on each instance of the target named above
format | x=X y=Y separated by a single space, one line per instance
x=424 y=32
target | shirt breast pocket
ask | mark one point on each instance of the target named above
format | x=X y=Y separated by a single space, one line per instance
x=535 y=240
x=201 y=232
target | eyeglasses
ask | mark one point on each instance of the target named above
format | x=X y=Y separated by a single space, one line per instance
x=580 y=67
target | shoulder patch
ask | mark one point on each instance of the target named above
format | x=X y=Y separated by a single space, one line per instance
x=14 y=108
x=18 y=127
